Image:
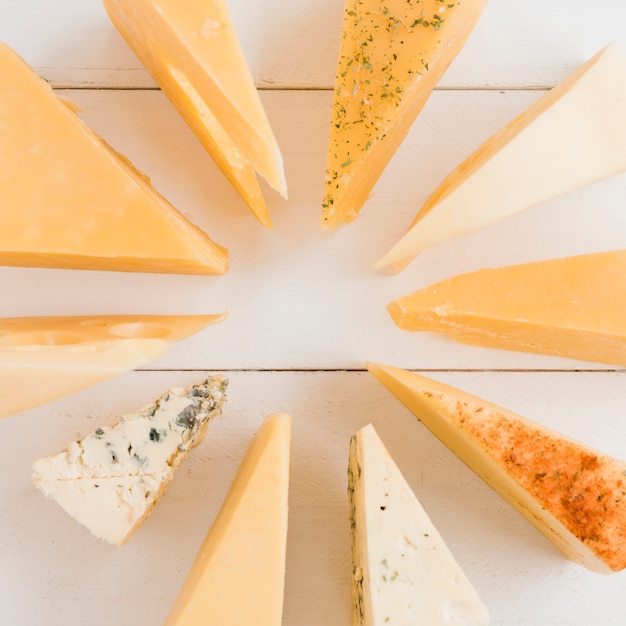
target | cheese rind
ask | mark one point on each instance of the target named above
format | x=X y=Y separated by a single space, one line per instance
x=570 y=492
x=70 y=201
x=110 y=480
x=573 y=136
x=403 y=572
x=238 y=575
x=192 y=51
x=569 y=307
x=66 y=354
x=392 y=54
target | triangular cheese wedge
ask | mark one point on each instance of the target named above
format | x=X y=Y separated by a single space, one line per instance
x=239 y=574
x=572 y=493
x=45 y=358
x=110 y=480
x=191 y=49
x=570 y=307
x=69 y=201
x=391 y=56
x=403 y=572
x=573 y=136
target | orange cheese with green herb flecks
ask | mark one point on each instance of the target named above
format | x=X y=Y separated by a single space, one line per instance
x=69 y=201
x=45 y=358
x=571 y=307
x=570 y=492
x=392 y=54
x=574 y=135
x=191 y=49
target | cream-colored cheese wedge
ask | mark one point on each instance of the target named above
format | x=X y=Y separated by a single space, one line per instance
x=191 y=49
x=69 y=201
x=110 y=480
x=238 y=576
x=573 y=136
x=391 y=56
x=569 y=307
x=572 y=493
x=403 y=572
x=45 y=358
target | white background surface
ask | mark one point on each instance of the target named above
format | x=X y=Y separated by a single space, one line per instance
x=305 y=312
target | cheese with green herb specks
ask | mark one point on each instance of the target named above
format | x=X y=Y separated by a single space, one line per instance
x=111 y=479
x=403 y=572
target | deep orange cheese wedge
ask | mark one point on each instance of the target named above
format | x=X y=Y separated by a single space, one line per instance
x=570 y=492
x=391 y=56
x=69 y=201
x=45 y=358
x=191 y=49
x=572 y=307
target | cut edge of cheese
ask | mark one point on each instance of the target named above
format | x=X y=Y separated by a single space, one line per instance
x=53 y=163
x=403 y=571
x=243 y=555
x=546 y=476
x=183 y=46
x=563 y=307
x=571 y=137
x=110 y=480
x=378 y=94
x=45 y=358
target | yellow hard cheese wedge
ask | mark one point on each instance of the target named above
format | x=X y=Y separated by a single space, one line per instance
x=191 y=49
x=239 y=573
x=69 y=201
x=403 y=572
x=45 y=358
x=573 y=136
x=572 y=493
x=570 y=307
x=391 y=56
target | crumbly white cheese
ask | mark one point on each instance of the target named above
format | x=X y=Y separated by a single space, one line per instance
x=403 y=574
x=111 y=479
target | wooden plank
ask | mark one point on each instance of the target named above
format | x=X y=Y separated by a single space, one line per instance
x=51 y=566
x=298 y=297
x=294 y=44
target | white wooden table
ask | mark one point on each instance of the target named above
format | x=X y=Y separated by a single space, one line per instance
x=306 y=311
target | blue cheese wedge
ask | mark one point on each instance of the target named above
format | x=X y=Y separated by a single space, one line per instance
x=403 y=572
x=110 y=480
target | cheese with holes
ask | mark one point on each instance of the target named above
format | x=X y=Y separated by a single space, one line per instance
x=239 y=573
x=403 y=572
x=391 y=56
x=110 y=480
x=572 y=493
x=571 y=307
x=69 y=201
x=191 y=49
x=45 y=358
x=573 y=136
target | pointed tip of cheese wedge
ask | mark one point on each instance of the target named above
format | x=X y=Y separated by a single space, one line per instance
x=529 y=465
x=575 y=135
x=243 y=555
x=403 y=571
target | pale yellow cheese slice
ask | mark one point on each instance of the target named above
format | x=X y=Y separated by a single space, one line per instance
x=573 y=136
x=391 y=56
x=191 y=49
x=403 y=572
x=45 y=358
x=69 y=201
x=238 y=575
x=572 y=493
x=569 y=307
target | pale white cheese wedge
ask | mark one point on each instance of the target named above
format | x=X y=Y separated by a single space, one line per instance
x=238 y=576
x=110 y=480
x=574 y=135
x=403 y=572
